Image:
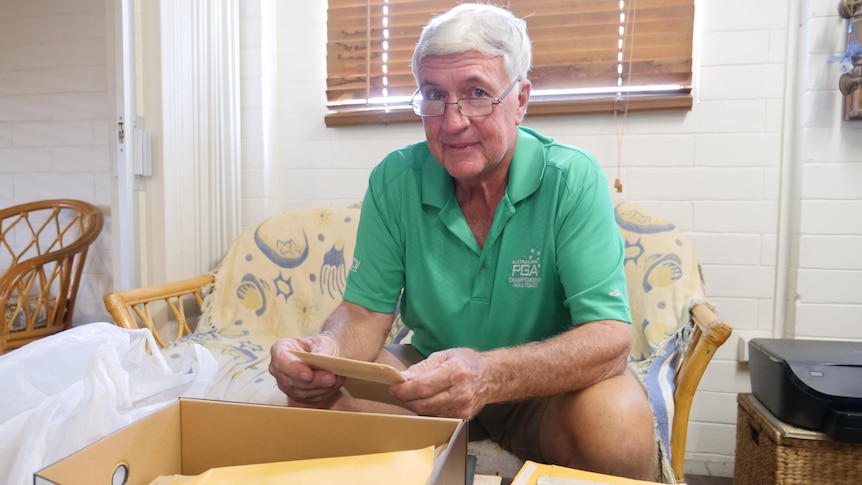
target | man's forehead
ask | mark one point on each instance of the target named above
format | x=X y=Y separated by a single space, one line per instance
x=464 y=67
x=459 y=57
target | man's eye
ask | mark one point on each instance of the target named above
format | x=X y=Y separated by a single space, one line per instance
x=434 y=95
x=478 y=93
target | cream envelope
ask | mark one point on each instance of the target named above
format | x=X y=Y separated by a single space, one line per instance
x=365 y=380
x=358 y=369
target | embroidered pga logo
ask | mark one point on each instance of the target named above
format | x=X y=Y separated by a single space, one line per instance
x=526 y=272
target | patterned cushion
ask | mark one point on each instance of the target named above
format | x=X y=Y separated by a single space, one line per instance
x=657 y=372
x=664 y=283
x=286 y=275
x=18 y=316
x=663 y=277
x=283 y=277
x=279 y=279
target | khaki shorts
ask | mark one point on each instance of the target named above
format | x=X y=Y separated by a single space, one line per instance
x=513 y=425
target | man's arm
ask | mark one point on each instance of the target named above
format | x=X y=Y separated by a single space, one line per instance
x=460 y=382
x=570 y=361
x=358 y=331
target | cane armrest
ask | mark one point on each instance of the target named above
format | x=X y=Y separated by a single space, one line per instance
x=709 y=332
x=166 y=309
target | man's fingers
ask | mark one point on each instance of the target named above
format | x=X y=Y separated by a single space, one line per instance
x=447 y=383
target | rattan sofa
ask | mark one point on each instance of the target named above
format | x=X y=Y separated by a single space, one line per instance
x=283 y=277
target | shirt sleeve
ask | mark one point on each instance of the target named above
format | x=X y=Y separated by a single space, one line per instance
x=376 y=274
x=590 y=249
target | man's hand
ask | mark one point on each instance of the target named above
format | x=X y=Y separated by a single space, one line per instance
x=450 y=383
x=304 y=386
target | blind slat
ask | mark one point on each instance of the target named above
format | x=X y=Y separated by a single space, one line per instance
x=576 y=45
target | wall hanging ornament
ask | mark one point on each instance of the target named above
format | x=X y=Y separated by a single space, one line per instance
x=850 y=62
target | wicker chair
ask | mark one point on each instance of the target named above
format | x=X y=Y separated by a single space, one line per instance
x=656 y=263
x=43 y=247
x=177 y=304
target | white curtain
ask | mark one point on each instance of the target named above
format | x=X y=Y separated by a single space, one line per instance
x=200 y=75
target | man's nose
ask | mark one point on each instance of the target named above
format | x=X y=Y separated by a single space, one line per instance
x=453 y=118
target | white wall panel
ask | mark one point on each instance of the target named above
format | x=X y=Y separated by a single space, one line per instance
x=735 y=48
x=54 y=120
x=831 y=252
x=738 y=149
x=26 y=159
x=832 y=321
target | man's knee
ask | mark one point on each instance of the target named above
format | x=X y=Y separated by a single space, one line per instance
x=607 y=427
x=615 y=406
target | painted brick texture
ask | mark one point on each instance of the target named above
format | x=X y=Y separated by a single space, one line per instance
x=54 y=117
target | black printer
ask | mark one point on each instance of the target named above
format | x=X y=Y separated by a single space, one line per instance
x=812 y=384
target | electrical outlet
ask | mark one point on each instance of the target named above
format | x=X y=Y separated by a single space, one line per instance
x=742 y=349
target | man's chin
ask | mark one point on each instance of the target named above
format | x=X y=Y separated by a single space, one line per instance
x=463 y=169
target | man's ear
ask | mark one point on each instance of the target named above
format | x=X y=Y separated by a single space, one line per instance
x=523 y=98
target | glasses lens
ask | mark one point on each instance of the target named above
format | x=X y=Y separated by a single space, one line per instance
x=424 y=107
x=468 y=107
x=476 y=107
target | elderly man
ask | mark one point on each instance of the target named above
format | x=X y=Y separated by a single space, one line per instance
x=511 y=265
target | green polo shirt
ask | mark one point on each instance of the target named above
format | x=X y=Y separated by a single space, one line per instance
x=553 y=258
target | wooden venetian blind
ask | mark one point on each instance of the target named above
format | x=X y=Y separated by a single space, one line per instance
x=588 y=56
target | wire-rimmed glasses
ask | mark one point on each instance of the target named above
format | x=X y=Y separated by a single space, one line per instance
x=467 y=106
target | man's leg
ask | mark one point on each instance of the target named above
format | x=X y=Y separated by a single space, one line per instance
x=606 y=428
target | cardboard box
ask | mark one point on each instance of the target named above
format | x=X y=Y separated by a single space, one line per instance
x=191 y=436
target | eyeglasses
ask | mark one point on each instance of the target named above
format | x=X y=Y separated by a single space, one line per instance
x=467 y=106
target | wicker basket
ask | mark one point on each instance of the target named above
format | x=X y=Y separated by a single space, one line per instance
x=769 y=451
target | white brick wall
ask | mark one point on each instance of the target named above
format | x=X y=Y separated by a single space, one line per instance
x=54 y=119
x=717 y=171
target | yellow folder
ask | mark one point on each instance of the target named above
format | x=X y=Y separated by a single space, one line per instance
x=532 y=471
x=410 y=467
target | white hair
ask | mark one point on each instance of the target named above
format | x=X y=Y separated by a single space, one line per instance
x=492 y=31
